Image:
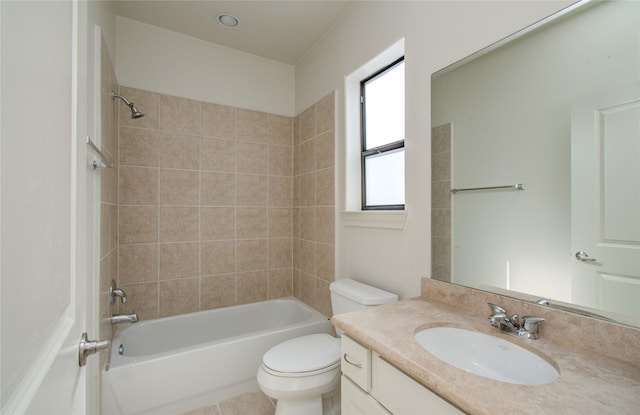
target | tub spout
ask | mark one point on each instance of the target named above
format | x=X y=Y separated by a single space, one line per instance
x=122 y=318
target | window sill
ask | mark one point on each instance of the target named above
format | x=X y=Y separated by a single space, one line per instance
x=375 y=219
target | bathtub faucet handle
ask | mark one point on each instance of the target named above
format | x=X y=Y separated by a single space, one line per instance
x=124 y=318
x=116 y=292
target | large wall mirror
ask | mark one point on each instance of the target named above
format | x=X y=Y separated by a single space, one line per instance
x=556 y=109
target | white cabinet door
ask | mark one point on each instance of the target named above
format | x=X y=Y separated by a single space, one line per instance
x=355 y=401
x=605 y=164
x=45 y=292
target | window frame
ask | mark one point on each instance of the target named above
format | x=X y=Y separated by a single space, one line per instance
x=385 y=148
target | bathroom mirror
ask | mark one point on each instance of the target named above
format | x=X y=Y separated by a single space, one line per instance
x=515 y=114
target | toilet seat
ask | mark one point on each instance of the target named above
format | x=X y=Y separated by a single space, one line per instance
x=303 y=356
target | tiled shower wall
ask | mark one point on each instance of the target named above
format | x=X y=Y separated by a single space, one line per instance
x=441 y=202
x=314 y=204
x=205 y=205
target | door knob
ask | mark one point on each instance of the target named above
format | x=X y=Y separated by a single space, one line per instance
x=584 y=257
x=89 y=347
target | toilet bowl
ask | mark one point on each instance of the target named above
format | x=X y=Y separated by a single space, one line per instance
x=303 y=374
x=298 y=372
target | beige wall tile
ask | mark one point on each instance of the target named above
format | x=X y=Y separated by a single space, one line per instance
x=179 y=114
x=308 y=223
x=109 y=185
x=145 y=101
x=138 y=185
x=179 y=296
x=252 y=158
x=307 y=156
x=179 y=151
x=297 y=121
x=217 y=189
x=217 y=291
x=179 y=224
x=307 y=289
x=441 y=223
x=280 y=191
x=280 y=222
x=253 y=126
x=280 y=253
x=251 y=223
x=279 y=283
x=441 y=167
x=296 y=222
x=280 y=160
x=251 y=190
x=441 y=195
x=217 y=257
x=307 y=257
x=297 y=180
x=325 y=193
x=251 y=287
x=179 y=187
x=325 y=224
x=441 y=139
x=441 y=250
x=138 y=147
x=280 y=130
x=324 y=150
x=138 y=263
x=323 y=297
x=141 y=298
x=218 y=121
x=105 y=229
x=138 y=224
x=179 y=260
x=308 y=124
x=217 y=155
x=296 y=159
x=325 y=114
x=251 y=255
x=325 y=262
x=217 y=223
x=308 y=189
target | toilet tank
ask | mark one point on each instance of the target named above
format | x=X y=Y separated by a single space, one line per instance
x=350 y=295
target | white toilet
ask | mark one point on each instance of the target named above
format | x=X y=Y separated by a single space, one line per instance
x=303 y=372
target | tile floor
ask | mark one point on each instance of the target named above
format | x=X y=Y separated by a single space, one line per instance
x=251 y=403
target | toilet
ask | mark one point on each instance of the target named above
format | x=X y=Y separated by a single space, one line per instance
x=303 y=374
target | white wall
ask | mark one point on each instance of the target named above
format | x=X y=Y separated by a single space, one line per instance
x=163 y=61
x=511 y=115
x=436 y=34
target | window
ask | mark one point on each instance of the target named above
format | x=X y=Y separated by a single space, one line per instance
x=382 y=133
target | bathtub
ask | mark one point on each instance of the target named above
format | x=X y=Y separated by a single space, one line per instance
x=178 y=363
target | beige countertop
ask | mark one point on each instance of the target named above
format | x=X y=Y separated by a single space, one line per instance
x=589 y=383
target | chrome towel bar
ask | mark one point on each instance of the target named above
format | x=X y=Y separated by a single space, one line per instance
x=105 y=161
x=518 y=186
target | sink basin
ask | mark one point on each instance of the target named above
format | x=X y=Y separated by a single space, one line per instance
x=487 y=356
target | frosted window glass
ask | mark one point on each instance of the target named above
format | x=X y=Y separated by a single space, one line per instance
x=385 y=178
x=384 y=108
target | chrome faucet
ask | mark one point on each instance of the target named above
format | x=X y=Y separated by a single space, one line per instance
x=124 y=318
x=527 y=326
x=116 y=292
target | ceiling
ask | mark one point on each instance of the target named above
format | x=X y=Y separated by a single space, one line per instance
x=279 y=30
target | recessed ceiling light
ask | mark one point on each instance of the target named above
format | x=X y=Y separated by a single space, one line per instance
x=227 y=20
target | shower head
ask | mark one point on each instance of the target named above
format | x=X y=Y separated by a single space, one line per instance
x=135 y=112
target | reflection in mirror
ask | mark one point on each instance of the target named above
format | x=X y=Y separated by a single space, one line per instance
x=524 y=112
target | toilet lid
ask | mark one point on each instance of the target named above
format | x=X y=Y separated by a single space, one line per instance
x=303 y=354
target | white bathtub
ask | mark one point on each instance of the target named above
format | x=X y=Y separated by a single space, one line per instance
x=174 y=364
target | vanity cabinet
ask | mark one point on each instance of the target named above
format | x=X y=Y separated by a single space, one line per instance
x=373 y=386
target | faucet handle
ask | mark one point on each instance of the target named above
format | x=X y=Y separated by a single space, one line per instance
x=496 y=309
x=116 y=292
x=531 y=324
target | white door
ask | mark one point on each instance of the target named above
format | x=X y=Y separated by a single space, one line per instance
x=45 y=249
x=605 y=169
